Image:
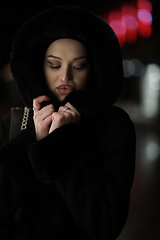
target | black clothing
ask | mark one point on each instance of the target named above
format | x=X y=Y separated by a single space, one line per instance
x=80 y=171
x=75 y=183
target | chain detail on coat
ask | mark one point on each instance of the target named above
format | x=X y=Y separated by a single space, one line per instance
x=25 y=118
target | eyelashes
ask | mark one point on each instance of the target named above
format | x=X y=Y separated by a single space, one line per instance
x=78 y=68
x=52 y=67
x=58 y=67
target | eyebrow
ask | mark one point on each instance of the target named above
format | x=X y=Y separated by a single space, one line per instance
x=61 y=58
x=54 y=57
x=80 y=57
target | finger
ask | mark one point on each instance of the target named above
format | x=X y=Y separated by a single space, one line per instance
x=76 y=115
x=71 y=115
x=71 y=107
x=43 y=129
x=37 y=101
x=44 y=112
x=62 y=109
x=48 y=121
x=67 y=107
x=66 y=111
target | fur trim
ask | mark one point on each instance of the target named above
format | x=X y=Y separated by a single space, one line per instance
x=32 y=40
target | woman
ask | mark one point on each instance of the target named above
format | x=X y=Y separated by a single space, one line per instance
x=69 y=174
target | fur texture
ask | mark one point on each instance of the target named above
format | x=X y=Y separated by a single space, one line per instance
x=32 y=40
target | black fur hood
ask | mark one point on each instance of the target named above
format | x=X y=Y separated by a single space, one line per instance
x=35 y=36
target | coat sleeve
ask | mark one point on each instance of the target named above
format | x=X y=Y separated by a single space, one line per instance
x=62 y=151
x=15 y=161
x=95 y=185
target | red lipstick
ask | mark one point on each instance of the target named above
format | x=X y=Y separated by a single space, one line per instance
x=65 y=89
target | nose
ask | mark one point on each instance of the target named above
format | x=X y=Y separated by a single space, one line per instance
x=66 y=74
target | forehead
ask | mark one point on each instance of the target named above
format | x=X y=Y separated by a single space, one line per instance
x=66 y=47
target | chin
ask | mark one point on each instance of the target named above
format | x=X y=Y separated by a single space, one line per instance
x=61 y=98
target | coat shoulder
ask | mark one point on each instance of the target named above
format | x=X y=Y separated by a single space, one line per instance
x=115 y=117
x=118 y=113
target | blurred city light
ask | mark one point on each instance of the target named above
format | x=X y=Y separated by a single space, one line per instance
x=139 y=67
x=128 y=68
x=131 y=20
x=115 y=21
x=154 y=77
x=133 y=67
x=150 y=86
x=144 y=23
x=152 y=150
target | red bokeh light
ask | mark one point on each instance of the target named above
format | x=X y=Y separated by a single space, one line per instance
x=129 y=18
x=144 y=4
x=144 y=8
x=115 y=22
x=131 y=21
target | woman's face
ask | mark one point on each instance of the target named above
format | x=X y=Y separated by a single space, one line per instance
x=66 y=67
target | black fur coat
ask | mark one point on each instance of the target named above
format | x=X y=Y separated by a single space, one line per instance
x=75 y=183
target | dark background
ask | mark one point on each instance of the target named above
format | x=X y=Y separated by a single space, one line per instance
x=144 y=215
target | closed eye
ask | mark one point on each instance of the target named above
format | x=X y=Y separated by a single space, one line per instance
x=78 y=68
x=52 y=67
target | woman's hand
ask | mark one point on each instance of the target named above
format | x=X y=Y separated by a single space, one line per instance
x=66 y=114
x=42 y=117
x=46 y=120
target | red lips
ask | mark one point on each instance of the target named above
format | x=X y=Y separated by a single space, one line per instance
x=65 y=89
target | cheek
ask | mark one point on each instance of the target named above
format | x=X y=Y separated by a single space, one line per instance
x=82 y=79
x=49 y=76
